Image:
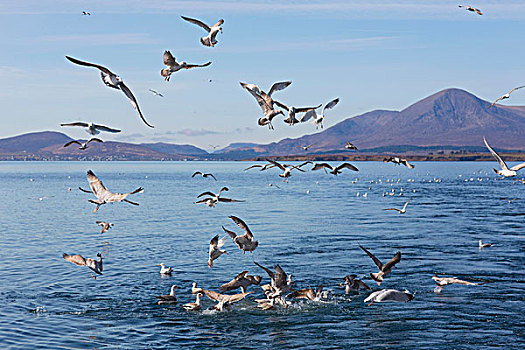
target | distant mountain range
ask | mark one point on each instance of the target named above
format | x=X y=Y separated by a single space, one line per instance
x=451 y=119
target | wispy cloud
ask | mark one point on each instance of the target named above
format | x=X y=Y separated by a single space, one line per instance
x=173 y=135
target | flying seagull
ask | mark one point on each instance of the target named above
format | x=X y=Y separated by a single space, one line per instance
x=353 y=284
x=441 y=282
x=174 y=66
x=292 y=111
x=208 y=40
x=204 y=175
x=265 y=101
x=242 y=280
x=507 y=95
x=245 y=242
x=287 y=168
x=92 y=128
x=103 y=194
x=308 y=293
x=389 y=295
x=349 y=145
x=113 y=81
x=156 y=93
x=505 y=171
x=403 y=210
x=471 y=9
x=85 y=13
x=224 y=300
x=398 y=161
x=84 y=145
x=305 y=148
x=94 y=265
x=215 y=251
x=165 y=270
x=168 y=298
x=263 y=167
x=383 y=269
x=105 y=225
x=318 y=118
x=335 y=170
x=213 y=198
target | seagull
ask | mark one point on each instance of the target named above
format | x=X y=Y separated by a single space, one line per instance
x=168 y=298
x=441 y=282
x=84 y=145
x=263 y=167
x=85 y=13
x=242 y=280
x=308 y=293
x=215 y=251
x=305 y=148
x=174 y=66
x=245 y=242
x=280 y=282
x=403 y=210
x=194 y=289
x=165 y=270
x=92 y=128
x=287 y=168
x=105 y=225
x=318 y=118
x=214 y=146
x=156 y=93
x=353 y=284
x=471 y=9
x=94 y=265
x=204 y=175
x=383 y=269
x=505 y=171
x=215 y=198
x=196 y=306
x=387 y=295
x=482 y=245
x=224 y=300
x=265 y=101
x=397 y=161
x=45 y=197
x=103 y=194
x=349 y=145
x=208 y=40
x=507 y=95
x=333 y=169
x=292 y=111
x=114 y=81
x=520 y=180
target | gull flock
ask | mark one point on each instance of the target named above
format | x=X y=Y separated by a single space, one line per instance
x=281 y=289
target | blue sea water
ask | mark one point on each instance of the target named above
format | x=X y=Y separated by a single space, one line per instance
x=311 y=226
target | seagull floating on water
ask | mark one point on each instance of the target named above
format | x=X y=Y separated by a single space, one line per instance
x=165 y=270
x=505 y=171
x=174 y=66
x=168 y=298
x=196 y=306
x=208 y=40
x=92 y=128
x=245 y=242
x=94 y=265
x=482 y=245
x=113 y=81
x=84 y=145
x=389 y=295
x=383 y=269
x=105 y=225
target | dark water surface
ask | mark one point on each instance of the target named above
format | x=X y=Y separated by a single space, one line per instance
x=47 y=302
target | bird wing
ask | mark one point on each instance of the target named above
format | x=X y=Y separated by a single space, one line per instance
x=364 y=285
x=408 y=201
x=207 y=193
x=279 y=86
x=305 y=109
x=229 y=200
x=197 y=22
x=301 y=293
x=96 y=185
x=196 y=173
x=298 y=167
x=222 y=241
x=282 y=105
x=242 y=225
x=268 y=271
x=502 y=164
x=94 y=139
x=280 y=166
x=348 y=166
x=168 y=59
x=219 y=23
x=133 y=102
x=88 y=64
x=214 y=242
x=392 y=262
x=399 y=210
x=210 y=174
x=330 y=104
x=318 y=166
x=406 y=163
x=516 y=88
x=105 y=128
x=72 y=142
x=253 y=166
x=378 y=263
x=308 y=115
x=75 y=259
x=493 y=103
x=82 y=124
x=213 y=295
x=280 y=277
x=231 y=234
x=189 y=66
x=518 y=167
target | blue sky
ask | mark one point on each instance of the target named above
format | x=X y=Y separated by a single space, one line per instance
x=370 y=54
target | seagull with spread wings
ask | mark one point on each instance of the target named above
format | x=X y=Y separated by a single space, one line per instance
x=113 y=81
x=83 y=145
x=335 y=170
x=208 y=40
x=265 y=101
x=350 y=146
x=215 y=249
x=398 y=161
x=105 y=225
x=245 y=242
x=402 y=210
x=507 y=95
x=103 y=194
x=204 y=175
x=156 y=93
x=471 y=9
x=505 y=171
x=243 y=281
x=305 y=148
x=287 y=169
x=353 y=284
x=280 y=282
x=224 y=300
x=308 y=293
x=94 y=265
x=92 y=128
x=215 y=198
x=383 y=269
x=441 y=282
x=318 y=118
x=292 y=111
x=174 y=66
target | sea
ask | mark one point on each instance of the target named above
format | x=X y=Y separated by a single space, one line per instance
x=312 y=226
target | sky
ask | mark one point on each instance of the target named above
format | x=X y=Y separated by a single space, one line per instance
x=371 y=54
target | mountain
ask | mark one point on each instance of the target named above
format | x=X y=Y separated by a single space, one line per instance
x=31 y=143
x=169 y=148
x=451 y=117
